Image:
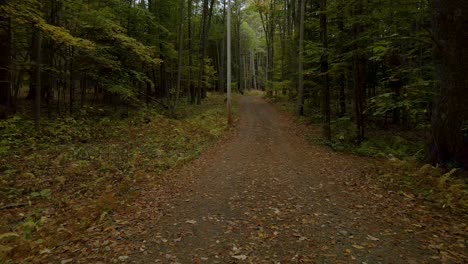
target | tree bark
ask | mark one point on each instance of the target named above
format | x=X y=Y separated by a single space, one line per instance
x=180 y=56
x=252 y=66
x=205 y=26
x=190 y=50
x=5 y=66
x=324 y=70
x=222 y=57
x=237 y=26
x=37 y=56
x=341 y=76
x=300 y=88
x=450 y=19
x=359 y=66
x=228 y=64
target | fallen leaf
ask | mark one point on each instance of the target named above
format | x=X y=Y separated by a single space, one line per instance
x=123 y=258
x=372 y=238
x=240 y=257
x=8 y=235
x=358 y=247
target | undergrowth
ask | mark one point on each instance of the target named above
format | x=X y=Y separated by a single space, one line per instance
x=77 y=170
x=400 y=154
x=381 y=143
x=445 y=189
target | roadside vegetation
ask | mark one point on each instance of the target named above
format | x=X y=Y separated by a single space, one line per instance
x=76 y=171
x=397 y=157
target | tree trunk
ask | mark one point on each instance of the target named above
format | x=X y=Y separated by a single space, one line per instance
x=359 y=65
x=222 y=57
x=37 y=77
x=5 y=66
x=252 y=66
x=238 y=49
x=206 y=20
x=450 y=19
x=341 y=76
x=268 y=23
x=300 y=88
x=228 y=64
x=189 y=32
x=324 y=70
x=72 y=80
x=180 y=55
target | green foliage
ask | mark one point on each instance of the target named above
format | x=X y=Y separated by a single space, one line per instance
x=446 y=189
x=344 y=130
x=390 y=146
x=27 y=12
x=13 y=130
x=378 y=144
x=89 y=164
x=41 y=194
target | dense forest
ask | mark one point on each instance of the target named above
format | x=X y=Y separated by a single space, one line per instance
x=100 y=97
x=385 y=64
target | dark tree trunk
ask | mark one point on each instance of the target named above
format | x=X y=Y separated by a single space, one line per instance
x=341 y=76
x=205 y=28
x=342 y=95
x=324 y=70
x=359 y=65
x=238 y=55
x=189 y=33
x=450 y=22
x=37 y=57
x=72 y=81
x=162 y=75
x=5 y=66
x=396 y=84
x=222 y=55
x=300 y=85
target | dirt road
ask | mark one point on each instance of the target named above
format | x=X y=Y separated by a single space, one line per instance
x=267 y=196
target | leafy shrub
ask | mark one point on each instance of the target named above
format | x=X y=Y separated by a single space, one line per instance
x=447 y=189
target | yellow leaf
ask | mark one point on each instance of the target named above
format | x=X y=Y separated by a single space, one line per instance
x=358 y=247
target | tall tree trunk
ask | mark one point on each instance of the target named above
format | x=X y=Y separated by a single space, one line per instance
x=228 y=63
x=180 y=55
x=206 y=20
x=192 y=93
x=341 y=75
x=300 y=88
x=324 y=70
x=238 y=45
x=246 y=73
x=222 y=57
x=37 y=77
x=282 y=27
x=252 y=66
x=450 y=19
x=268 y=23
x=5 y=66
x=72 y=80
x=359 y=65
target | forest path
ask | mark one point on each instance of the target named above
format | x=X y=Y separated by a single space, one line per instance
x=268 y=196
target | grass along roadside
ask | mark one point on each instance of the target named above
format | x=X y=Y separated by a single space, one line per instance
x=78 y=171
